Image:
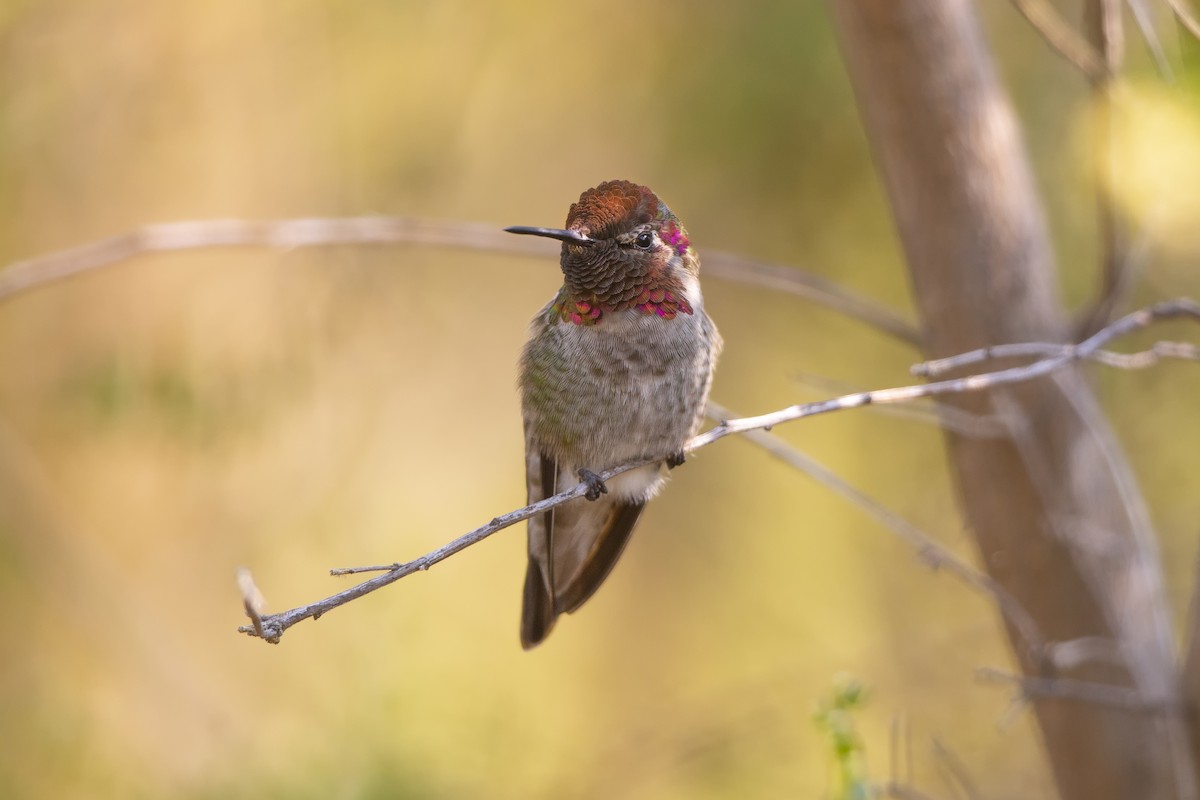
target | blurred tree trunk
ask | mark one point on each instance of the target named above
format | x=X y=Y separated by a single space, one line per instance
x=1057 y=518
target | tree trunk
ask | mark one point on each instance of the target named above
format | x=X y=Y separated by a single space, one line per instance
x=1057 y=518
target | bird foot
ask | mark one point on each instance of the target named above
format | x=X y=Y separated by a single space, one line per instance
x=675 y=459
x=595 y=485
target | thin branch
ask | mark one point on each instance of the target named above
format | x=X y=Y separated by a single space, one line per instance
x=1102 y=21
x=359 y=570
x=1104 y=29
x=1059 y=34
x=732 y=267
x=1074 y=653
x=24 y=276
x=252 y=600
x=1145 y=22
x=933 y=554
x=1105 y=32
x=1141 y=359
x=956 y=769
x=941 y=415
x=1183 y=15
x=1098 y=694
x=273 y=625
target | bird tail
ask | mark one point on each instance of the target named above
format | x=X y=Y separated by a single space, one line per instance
x=572 y=549
x=537 y=610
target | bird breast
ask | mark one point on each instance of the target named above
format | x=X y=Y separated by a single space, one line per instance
x=632 y=386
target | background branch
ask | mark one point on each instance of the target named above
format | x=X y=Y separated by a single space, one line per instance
x=30 y=274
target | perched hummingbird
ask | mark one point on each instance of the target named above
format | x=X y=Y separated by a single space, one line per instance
x=617 y=368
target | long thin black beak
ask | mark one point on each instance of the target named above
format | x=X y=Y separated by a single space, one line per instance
x=571 y=237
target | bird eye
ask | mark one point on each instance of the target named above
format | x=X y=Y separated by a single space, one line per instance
x=644 y=240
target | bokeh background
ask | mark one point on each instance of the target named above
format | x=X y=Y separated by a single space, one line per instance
x=170 y=419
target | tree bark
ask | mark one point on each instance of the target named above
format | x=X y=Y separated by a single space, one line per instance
x=1057 y=519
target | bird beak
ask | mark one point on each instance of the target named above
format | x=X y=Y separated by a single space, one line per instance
x=570 y=237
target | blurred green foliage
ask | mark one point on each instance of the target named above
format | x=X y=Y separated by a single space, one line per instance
x=835 y=718
x=170 y=419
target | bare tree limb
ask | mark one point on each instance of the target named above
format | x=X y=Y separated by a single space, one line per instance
x=24 y=276
x=272 y=626
x=967 y=209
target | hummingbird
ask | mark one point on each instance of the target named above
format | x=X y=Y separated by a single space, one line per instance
x=617 y=368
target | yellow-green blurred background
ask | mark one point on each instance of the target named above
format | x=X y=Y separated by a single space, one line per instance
x=168 y=420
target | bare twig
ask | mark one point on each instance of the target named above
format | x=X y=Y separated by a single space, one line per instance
x=1185 y=17
x=359 y=570
x=731 y=267
x=1074 y=653
x=1139 y=360
x=941 y=415
x=955 y=769
x=1100 y=694
x=1059 y=34
x=933 y=554
x=252 y=600
x=274 y=625
x=1103 y=26
x=1145 y=22
x=24 y=276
